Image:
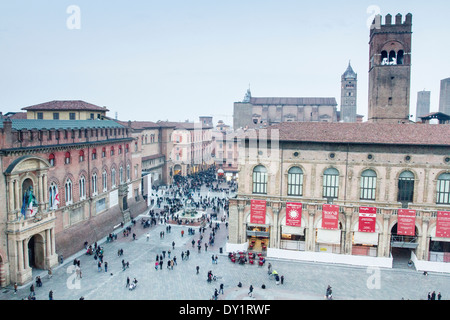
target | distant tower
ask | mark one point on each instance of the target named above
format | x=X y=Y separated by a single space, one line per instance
x=444 y=98
x=390 y=69
x=423 y=104
x=348 y=95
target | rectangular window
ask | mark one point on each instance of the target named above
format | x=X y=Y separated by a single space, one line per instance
x=55 y=116
x=368 y=188
x=443 y=191
x=72 y=116
x=40 y=115
x=260 y=182
x=295 y=184
x=330 y=186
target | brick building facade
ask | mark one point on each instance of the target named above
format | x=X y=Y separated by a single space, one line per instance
x=85 y=178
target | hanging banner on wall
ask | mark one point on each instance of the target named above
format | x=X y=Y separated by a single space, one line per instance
x=443 y=224
x=330 y=216
x=406 y=225
x=367 y=219
x=258 y=211
x=293 y=214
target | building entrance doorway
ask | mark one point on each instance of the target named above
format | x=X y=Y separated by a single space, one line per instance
x=401 y=248
x=36 y=252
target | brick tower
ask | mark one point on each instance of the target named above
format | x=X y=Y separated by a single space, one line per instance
x=349 y=81
x=390 y=69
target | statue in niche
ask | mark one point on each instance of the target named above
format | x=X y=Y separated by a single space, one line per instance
x=28 y=202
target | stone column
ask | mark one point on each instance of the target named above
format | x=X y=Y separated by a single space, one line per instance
x=16 y=195
x=348 y=230
x=52 y=237
x=383 y=250
x=275 y=234
x=25 y=256
x=45 y=186
x=311 y=234
x=11 y=196
x=422 y=249
x=20 y=265
x=240 y=230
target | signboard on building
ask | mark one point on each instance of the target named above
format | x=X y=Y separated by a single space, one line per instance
x=367 y=219
x=258 y=211
x=406 y=225
x=443 y=224
x=293 y=214
x=330 y=216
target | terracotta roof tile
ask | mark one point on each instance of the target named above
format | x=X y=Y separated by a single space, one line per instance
x=363 y=133
x=66 y=105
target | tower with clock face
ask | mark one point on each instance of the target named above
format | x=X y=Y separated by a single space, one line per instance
x=348 y=95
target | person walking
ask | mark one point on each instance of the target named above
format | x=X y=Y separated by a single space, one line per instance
x=99 y=265
x=50 y=295
x=15 y=287
x=148 y=236
x=198 y=268
x=221 y=288
x=50 y=273
x=250 y=292
x=106 y=266
x=173 y=245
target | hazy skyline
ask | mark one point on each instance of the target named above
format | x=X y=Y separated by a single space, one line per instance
x=177 y=60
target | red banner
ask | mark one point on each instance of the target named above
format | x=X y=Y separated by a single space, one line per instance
x=258 y=211
x=406 y=222
x=443 y=224
x=293 y=214
x=330 y=216
x=367 y=219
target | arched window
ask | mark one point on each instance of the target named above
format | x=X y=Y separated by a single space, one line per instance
x=113 y=177
x=112 y=150
x=405 y=187
x=260 y=180
x=128 y=173
x=295 y=181
x=67 y=158
x=53 y=196
x=126 y=148
x=82 y=188
x=51 y=159
x=94 y=184
x=121 y=175
x=368 y=185
x=94 y=154
x=443 y=189
x=331 y=183
x=400 y=57
x=392 y=57
x=68 y=191
x=81 y=156
x=384 y=57
x=104 y=180
x=103 y=152
x=120 y=149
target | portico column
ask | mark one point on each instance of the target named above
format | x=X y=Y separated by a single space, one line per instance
x=52 y=237
x=45 y=186
x=19 y=245
x=384 y=246
x=48 y=244
x=25 y=256
x=11 y=196
x=423 y=253
x=311 y=234
x=348 y=231
x=16 y=194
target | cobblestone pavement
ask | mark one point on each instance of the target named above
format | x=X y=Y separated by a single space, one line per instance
x=303 y=280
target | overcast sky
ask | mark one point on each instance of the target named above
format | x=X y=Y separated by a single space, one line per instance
x=180 y=59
